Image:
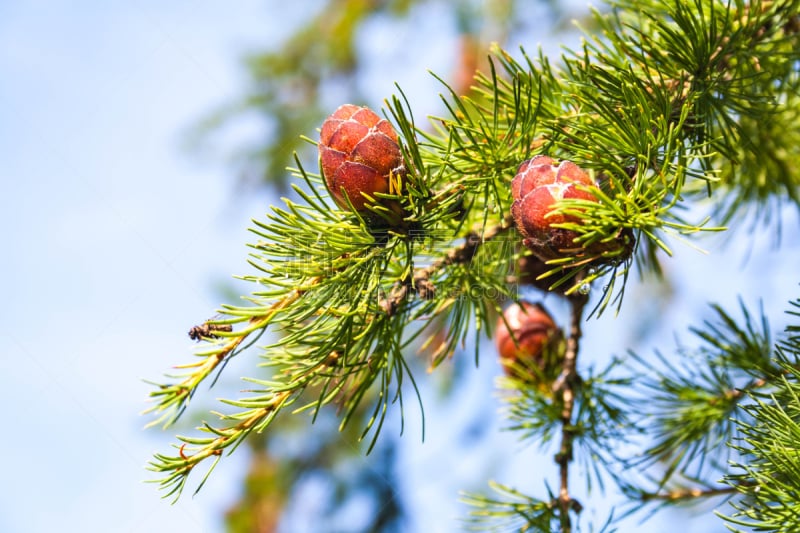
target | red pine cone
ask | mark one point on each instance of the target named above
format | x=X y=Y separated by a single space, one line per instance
x=358 y=151
x=536 y=336
x=536 y=188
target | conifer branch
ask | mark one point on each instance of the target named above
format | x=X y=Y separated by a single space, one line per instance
x=342 y=369
x=653 y=109
x=173 y=398
x=199 y=449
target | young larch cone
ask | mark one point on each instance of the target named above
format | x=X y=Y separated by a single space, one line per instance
x=527 y=342
x=358 y=153
x=536 y=189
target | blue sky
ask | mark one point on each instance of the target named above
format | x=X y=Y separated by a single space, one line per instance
x=115 y=238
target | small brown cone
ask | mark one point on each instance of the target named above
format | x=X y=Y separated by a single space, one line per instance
x=528 y=343
x=359 y=153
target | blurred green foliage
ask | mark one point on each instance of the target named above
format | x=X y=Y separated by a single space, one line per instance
x=289 y=86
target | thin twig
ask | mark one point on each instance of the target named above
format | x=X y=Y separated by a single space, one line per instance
x=684 y=494
x=565 y=386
